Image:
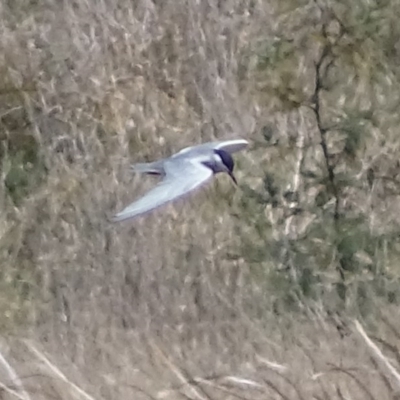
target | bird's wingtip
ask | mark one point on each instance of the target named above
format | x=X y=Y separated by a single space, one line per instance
x=124 y=215
x=243 y=141
x=117 y=218
x=234 y=145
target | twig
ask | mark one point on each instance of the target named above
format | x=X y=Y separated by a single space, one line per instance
x=56 y=371
x=176 y=370
x=377 y=352
x=13 y=392
x=15 y=380
x=316 y=107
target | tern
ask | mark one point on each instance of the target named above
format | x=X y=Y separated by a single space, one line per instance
x=182 y=173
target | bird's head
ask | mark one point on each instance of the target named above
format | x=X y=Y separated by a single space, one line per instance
x=225 y=163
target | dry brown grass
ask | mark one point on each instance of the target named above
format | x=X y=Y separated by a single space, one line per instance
x=165 y=307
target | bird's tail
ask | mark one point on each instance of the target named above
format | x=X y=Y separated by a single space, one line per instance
x=153 y=168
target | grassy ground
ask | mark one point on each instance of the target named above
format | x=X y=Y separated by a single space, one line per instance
x=242 y=293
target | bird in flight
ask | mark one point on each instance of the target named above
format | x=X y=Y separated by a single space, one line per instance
x=182 y=173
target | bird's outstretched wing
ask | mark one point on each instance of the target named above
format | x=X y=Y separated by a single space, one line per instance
x=179 y=180
x=230 y=146
x=151 y=168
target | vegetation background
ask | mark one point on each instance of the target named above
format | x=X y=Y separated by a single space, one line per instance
x=262 y=292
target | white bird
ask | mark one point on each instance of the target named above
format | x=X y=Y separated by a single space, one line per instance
x=182 y=173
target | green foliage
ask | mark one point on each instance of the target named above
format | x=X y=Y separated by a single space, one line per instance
x=276 y=65
x=22 y=166
x=326 y=242
x=316 y=218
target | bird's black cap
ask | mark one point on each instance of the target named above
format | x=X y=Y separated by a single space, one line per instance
x=228 y=162
x=226 y=159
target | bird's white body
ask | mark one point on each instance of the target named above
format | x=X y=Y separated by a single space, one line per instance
x=182 y=173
